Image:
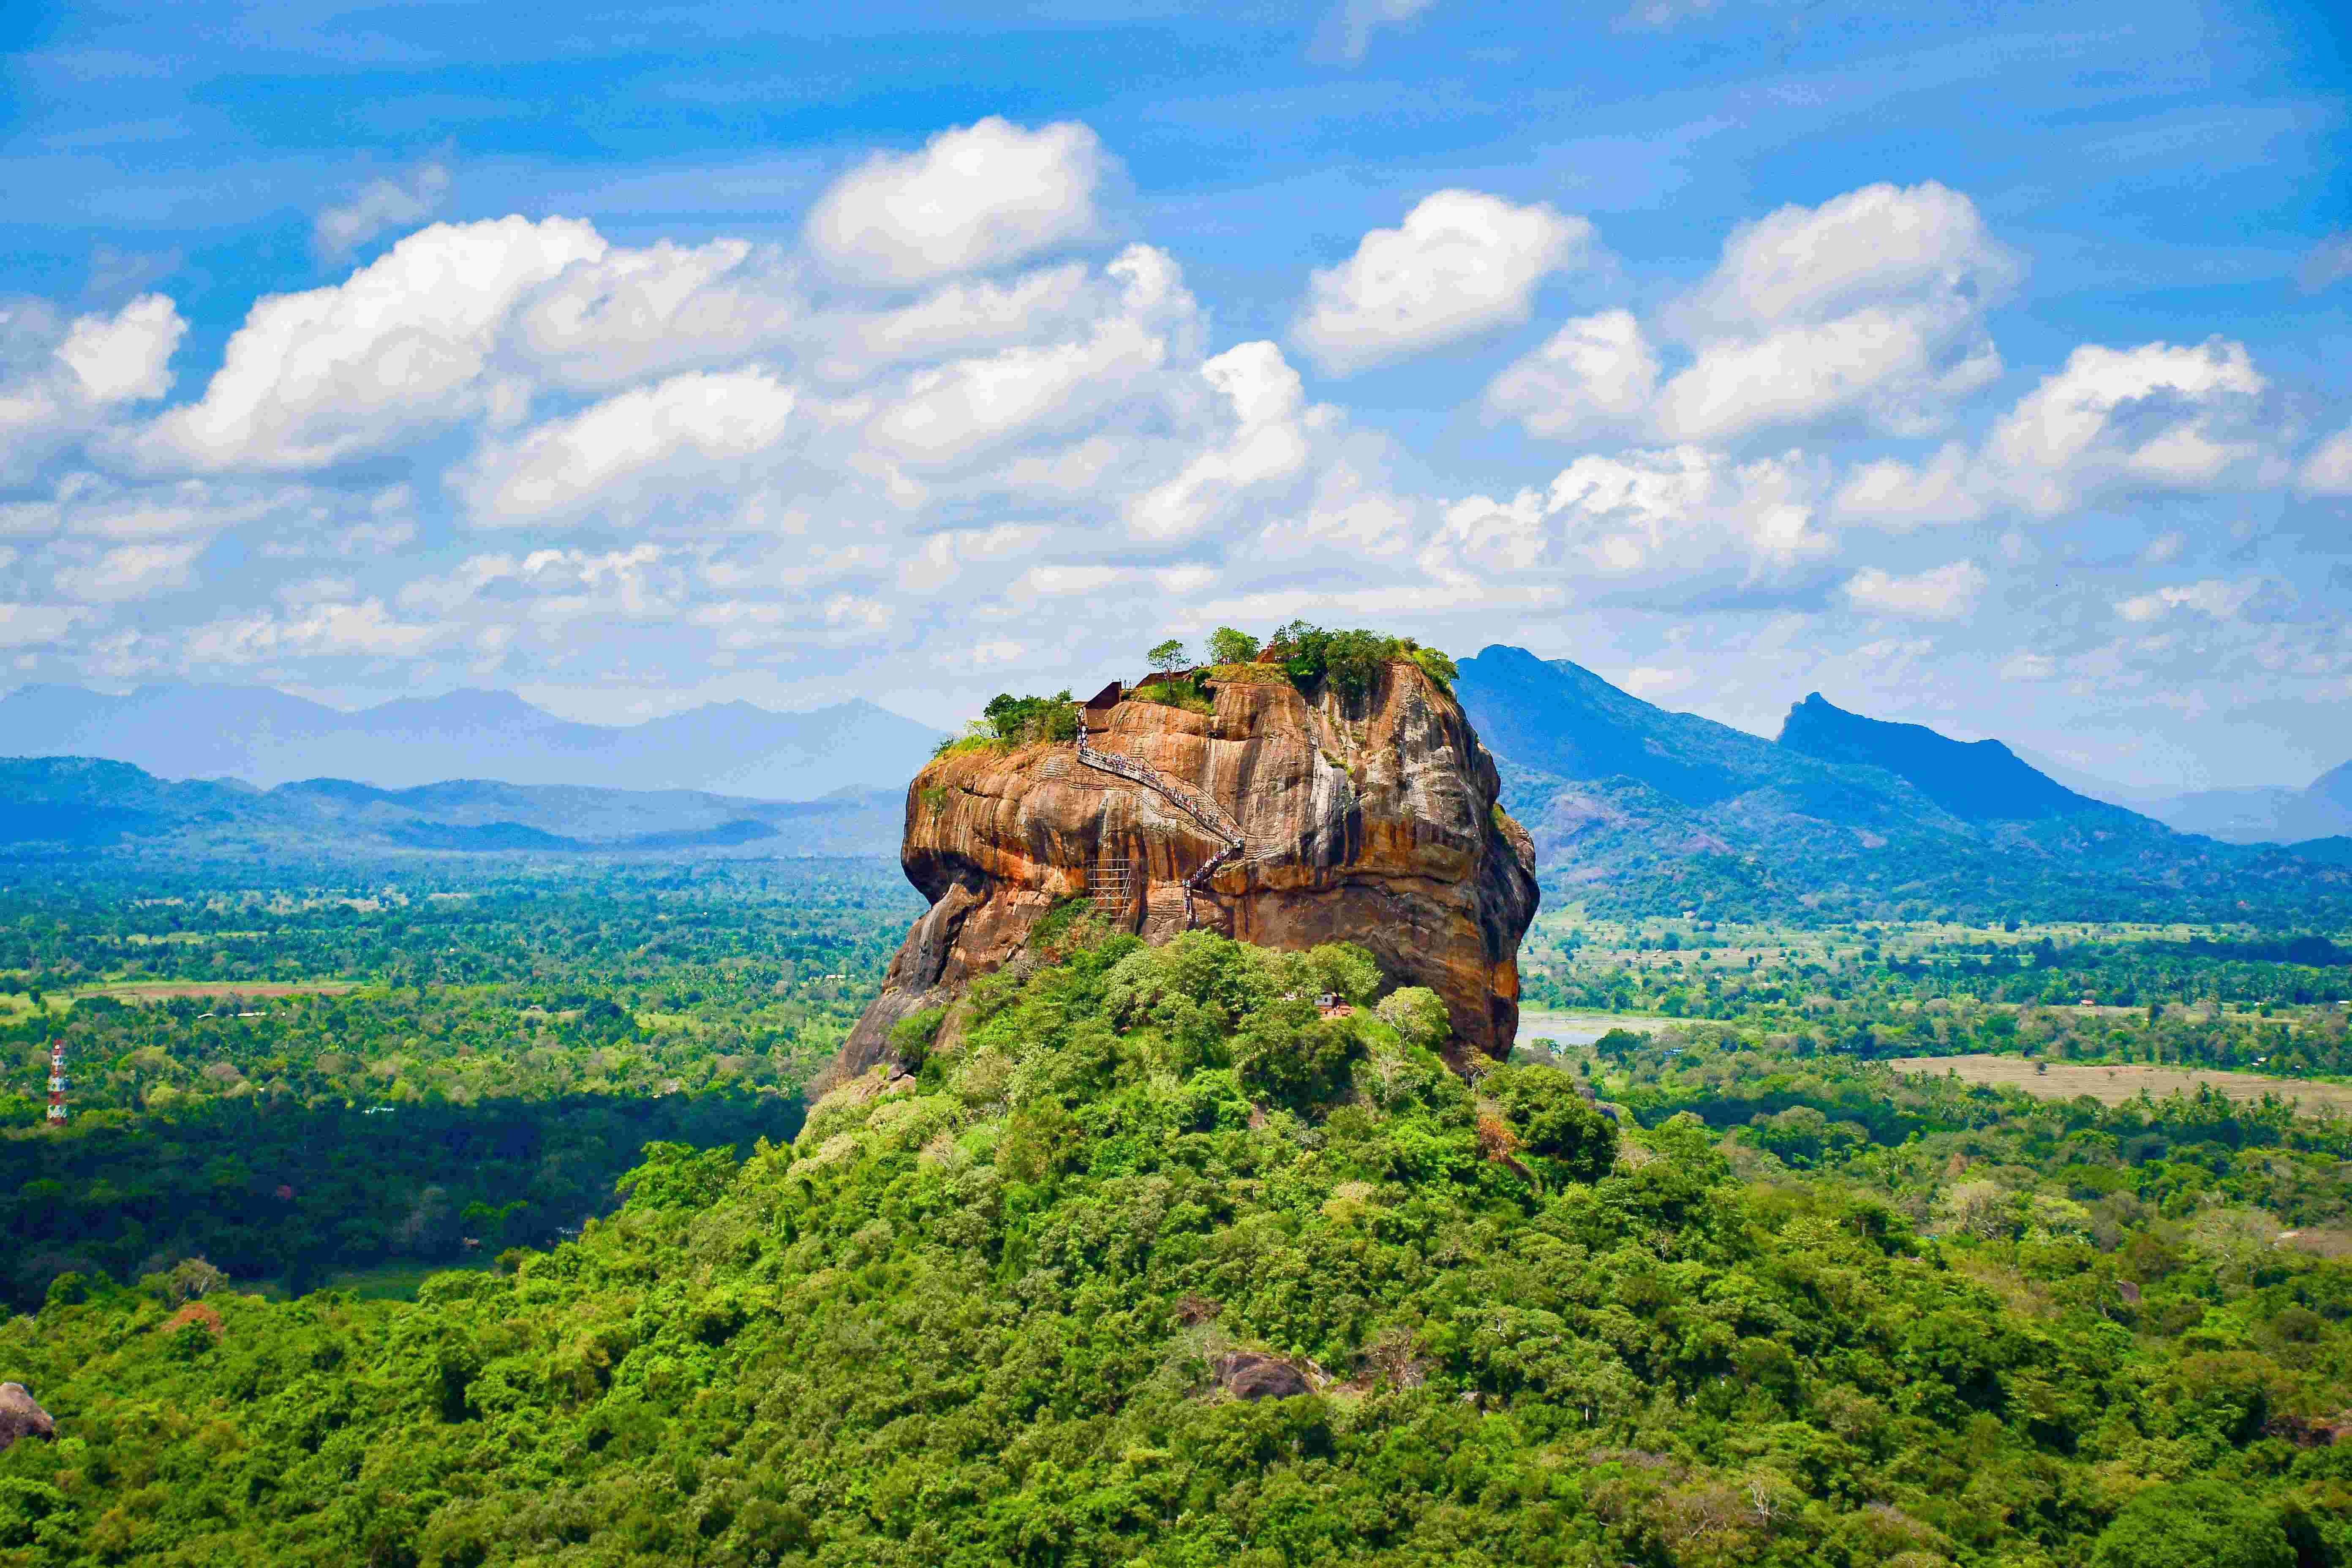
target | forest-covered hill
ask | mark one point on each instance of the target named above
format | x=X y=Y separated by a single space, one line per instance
x=1158 y=1266
x=52 y=807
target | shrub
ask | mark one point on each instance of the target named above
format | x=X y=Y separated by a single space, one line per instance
x=911 y=1036
x=1350 y=661
x=1288 y=1055
x=1551 y=1119
x=1189 y=694
x=1227 y=645
x=1020 y=721
x=1345 y=970
x=1419 y=1014
x=2199 y=1524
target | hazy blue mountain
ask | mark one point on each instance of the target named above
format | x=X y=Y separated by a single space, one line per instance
x=49 y=805
x=1634 y=807
x=2334 y=787
x=1977 y=781
x=2132 y=797
x=2265 y=813
x=270 y=738
x=2244 y=814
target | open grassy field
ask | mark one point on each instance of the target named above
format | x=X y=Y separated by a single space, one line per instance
x=1581 y=1029
x=18 y=1006
x=394 y=1281
x=2114 y=1085
x=166 y=990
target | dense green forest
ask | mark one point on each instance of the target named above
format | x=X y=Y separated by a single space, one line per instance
x=494 y=1046
x=1014 y=1309
x=2241 y=1000
x=454 y=921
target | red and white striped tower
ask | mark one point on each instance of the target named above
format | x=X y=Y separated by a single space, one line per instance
x=58 y=1082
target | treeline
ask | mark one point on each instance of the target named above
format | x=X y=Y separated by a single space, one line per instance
x=453 y=925
x=285 y=1138
x=281 y=1194
x=749 y=1030
x=1147 y=1263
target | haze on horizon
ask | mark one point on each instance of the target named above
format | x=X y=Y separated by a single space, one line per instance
x=1981 y=366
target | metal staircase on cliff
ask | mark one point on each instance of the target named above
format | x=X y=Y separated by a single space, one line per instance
x=1214 y=819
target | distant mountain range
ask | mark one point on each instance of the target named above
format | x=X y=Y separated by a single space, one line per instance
x=1633 y=805
x=267 y=738
x=2247 y=813
x=51 y=805
x=2263 y=814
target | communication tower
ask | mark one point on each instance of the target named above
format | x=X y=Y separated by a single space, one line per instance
x=58 y=1083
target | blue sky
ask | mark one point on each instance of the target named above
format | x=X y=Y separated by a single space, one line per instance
x=1978 y=364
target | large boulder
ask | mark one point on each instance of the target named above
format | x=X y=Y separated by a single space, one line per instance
x=20 y=1417
x=1251 y=1376
x=1366 y=817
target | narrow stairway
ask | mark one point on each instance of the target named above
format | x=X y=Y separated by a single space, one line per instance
x=1215 y=819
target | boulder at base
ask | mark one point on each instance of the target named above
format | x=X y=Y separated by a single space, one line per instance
x=1247 y=1375
x=20 y=1417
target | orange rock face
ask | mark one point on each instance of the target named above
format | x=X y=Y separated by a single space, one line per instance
x=1369 y=820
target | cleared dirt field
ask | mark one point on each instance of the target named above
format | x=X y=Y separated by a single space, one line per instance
x=165 y=990
x=2112 y=1085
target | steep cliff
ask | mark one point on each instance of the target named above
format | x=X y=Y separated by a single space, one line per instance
x=1276 y=819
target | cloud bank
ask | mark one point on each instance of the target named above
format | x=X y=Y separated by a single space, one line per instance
x=957 y=436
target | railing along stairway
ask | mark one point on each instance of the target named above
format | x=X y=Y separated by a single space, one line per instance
x=1214 y=819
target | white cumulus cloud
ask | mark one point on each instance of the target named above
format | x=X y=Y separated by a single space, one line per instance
x=1943 y=594
x=1351 y=23
x=29 y=626
x=1594 y=373
x=130 y=572
x=1641 y=515
x=1899 y=495
x=702 y=419
x=1871 y=306
x=404 y=342
x=1461 y=263
x=330 y=631
x=2160 y=417
x=1268 y=444
x=2220 y=600
x=125 y=357
x=629 y=314
x=379 y=206
x=975 y=197
x=2327 y=471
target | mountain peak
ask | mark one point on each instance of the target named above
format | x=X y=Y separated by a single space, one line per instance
x=1978 y=781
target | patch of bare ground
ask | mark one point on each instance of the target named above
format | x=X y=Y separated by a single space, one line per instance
x=167 y=990
x=2324 y=1241
x=2114 y=1085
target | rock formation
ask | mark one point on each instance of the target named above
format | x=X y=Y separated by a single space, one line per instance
x=1276 y=819
x=20 y=1417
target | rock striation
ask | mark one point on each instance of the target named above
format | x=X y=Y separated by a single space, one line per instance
x=1278 y=818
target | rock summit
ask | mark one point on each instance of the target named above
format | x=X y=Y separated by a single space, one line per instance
x=1281 y=817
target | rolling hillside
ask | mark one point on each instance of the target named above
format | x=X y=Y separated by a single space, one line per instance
x=52 y=807
x=1635 y=807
